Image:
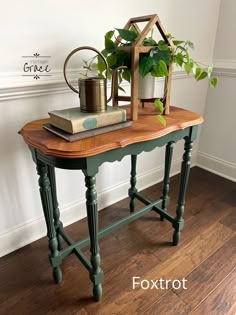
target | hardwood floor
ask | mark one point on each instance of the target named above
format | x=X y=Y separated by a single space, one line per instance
x=205 y=257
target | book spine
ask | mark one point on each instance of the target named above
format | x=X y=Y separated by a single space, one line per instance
x=61 y=123
x=90 y=122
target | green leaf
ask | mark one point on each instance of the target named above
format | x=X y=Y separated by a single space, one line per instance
x=162 y=45
x=126 y=75
x=202 y=75
x=149 y=42
x=160 y=55
x=194 y=67
x=110 y=46
x=187 y=57
x=188 y=68
x=159 y=71
x=93 y=66
x=109 y=34
x=133 y=29
x=178 y=42
x=161 y=42
x=122 y=59
x=111 y=60
x=101 y=65
x=209 y=70
x=181 y=48
x=161 y=119
x=163 y=68
x=190 y=44
x=158 y=104
x=153 y=72
x=179 y=59
x=213 y=82
x=145 y=65
x=100 y=75
x=109 y=74
x=104 y=52
x=152 y=31
x=121 y=89
x=127 y=34
x=198 y=73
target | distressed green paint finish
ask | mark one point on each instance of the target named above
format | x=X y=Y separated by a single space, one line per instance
x=178 y=224
x=166 y=180
x=96 y=274
x=47 y=203
x=56 y=211
x=133 y=181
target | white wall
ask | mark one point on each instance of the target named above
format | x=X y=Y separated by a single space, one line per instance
x=55 y=28
x=217 y=151
x=225 y=46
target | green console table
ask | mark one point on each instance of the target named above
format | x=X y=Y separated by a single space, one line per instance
x=146 y=133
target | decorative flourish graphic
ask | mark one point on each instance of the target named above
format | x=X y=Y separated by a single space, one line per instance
x=36 y=66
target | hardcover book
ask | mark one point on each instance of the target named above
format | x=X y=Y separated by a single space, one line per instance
x=72 y=120
x=86 y=134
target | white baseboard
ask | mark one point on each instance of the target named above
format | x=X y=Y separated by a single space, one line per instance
x=217 y=166
x=36 y=229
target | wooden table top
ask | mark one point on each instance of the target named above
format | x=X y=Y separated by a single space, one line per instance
x=147 y=127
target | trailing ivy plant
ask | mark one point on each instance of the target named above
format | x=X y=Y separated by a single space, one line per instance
x=155 y=62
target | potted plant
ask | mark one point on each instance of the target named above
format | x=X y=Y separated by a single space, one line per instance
x=155 y=62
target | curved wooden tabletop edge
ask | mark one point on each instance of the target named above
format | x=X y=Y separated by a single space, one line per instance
x=145 y=128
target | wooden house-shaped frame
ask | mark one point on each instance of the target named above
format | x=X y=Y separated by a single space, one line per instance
x=136 y=49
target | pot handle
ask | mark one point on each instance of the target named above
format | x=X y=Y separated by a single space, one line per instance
x=72 y=53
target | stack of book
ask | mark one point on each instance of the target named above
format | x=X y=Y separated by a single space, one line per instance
x=71 y=124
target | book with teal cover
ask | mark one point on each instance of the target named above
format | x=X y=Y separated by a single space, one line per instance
x=72 y=120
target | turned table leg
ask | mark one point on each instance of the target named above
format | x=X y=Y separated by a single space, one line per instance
x=47 y=203
x=96 y=273
x=56 y=211
x=132 y=189
x=178 y=223
x=166 y=180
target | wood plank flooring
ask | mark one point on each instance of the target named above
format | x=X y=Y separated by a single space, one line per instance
x=205 y=257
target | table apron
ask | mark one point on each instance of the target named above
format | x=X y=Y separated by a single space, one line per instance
x=92 y=163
